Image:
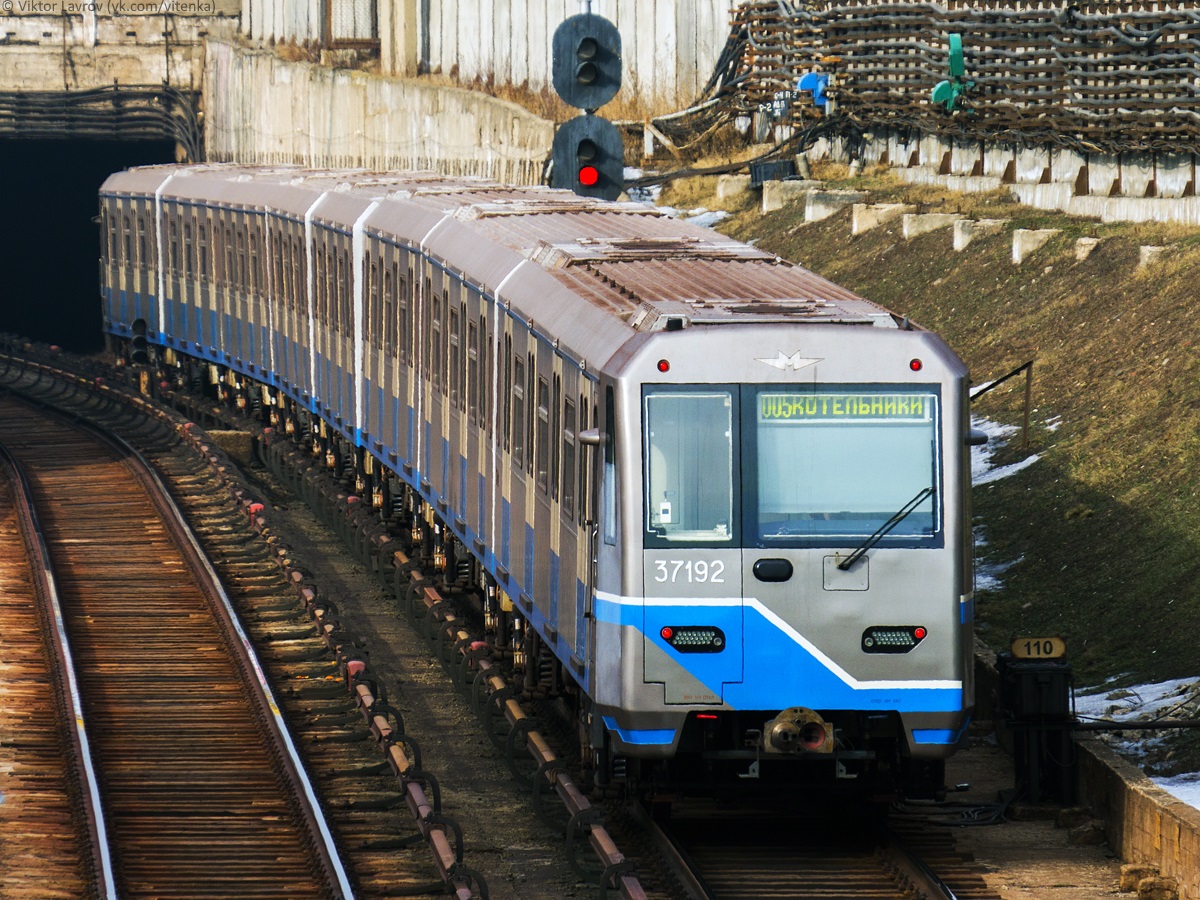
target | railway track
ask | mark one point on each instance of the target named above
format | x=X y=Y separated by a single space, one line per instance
x=804 y=850
x=377 y=810
x=199 y=790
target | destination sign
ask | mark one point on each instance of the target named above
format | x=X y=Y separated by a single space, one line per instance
x=824 y=407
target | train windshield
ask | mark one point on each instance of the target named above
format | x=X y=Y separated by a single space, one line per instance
x=812 y=466
x=834 y=464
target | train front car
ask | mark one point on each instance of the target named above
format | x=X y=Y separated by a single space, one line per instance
x=795 y=530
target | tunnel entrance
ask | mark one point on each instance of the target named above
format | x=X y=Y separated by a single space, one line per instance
x=50 y=245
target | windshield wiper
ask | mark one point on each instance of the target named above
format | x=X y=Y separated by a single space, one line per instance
x=897 y=517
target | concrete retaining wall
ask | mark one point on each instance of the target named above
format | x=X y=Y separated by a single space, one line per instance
x=263 y=110
x=1112 y=188
x=1144 y=823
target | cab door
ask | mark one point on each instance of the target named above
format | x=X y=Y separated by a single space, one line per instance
x=692 y=579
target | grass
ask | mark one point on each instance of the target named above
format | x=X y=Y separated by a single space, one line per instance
x=1105 y=526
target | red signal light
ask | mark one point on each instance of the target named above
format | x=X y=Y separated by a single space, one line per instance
x=915 y=364
x=919 y=633
x=664 y=365
x=589 y=176
x=667 y=632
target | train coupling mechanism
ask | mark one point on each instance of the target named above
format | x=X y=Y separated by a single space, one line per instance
x=798 y=730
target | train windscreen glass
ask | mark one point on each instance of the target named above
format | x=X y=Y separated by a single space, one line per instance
x=689 y=460
x=834 y=464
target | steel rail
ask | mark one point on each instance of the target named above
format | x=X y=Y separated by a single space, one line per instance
x=42 y=570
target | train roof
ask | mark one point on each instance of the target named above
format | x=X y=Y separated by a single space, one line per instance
x=627 y=260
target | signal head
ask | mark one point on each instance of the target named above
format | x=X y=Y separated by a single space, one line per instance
x=587 y=61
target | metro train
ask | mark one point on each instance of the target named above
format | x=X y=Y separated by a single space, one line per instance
x=725 y=499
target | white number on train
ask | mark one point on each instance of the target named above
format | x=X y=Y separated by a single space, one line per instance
x=696 y=571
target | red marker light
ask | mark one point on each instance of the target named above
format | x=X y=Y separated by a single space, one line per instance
x=711 y=717
x=664 y=366
x=667 y=632
x=589 y=176
x=915 y=364
x=919 y=633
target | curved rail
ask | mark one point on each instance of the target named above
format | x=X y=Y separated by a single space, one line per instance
x=188 y=770
x=59 y=646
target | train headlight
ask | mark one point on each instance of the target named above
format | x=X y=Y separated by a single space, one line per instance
x=694 y=638
x=892 y=638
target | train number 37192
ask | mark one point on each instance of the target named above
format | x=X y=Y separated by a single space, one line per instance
x=696 y=571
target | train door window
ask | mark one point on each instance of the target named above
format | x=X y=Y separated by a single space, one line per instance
x=530 y=412
x=228 y=273
x=473 y=371
x=189 y=251
x=173 y=261
x=542 y=448
x=254 y=279
x=506 y=423
x=609 y=486
x=127 y=224
x=346 y=292
x=202 y=248
x=518 y=412
x=141 y=241
x=455 y=352
x=801 y=442
x=403 y=305
x=487 y=394
x=338 y=308
x=389 y=311
x=435 y=342
x=568 y=460
x=445 y=335
x=241 y=279
x=555 y=422
x=689 y=448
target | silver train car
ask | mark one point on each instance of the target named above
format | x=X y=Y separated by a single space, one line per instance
x=727 y=497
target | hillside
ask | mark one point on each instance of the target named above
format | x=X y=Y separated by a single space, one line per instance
x=1101 y=535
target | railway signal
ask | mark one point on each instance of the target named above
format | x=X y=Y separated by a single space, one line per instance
x=139 y=347
x=589 y=158
x=588 y=155
x=587 y=61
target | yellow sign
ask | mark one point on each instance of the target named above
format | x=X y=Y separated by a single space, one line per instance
x=1038 y=648
x=814 y=407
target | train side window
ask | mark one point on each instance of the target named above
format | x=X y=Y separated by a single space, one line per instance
x=142 y=258
x=688 y=455
x=542 y=460
x=518 y=412
x=128 y=229
x=568 y=460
